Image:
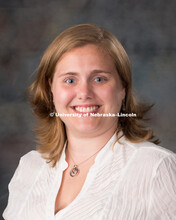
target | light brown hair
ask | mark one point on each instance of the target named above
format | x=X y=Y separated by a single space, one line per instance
x=51 y=130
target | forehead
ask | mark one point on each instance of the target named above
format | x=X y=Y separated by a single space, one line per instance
x=88 y=54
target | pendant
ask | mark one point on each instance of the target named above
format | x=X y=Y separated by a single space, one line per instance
x=74 y=171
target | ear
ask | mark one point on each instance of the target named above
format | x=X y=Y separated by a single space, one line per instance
x=123 y=93
x=50 y=83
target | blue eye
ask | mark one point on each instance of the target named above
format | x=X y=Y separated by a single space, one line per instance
x=69 y=81
x=99 y=79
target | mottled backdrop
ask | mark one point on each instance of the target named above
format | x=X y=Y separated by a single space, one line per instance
x=147 y=30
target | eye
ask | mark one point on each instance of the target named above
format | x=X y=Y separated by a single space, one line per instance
x=70 y=81
x=100 y=79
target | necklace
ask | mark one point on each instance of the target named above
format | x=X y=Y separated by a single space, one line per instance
x=75 y=171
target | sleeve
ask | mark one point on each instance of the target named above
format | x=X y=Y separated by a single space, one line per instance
x=21 y=183
x=12 y=196
x=163 y=194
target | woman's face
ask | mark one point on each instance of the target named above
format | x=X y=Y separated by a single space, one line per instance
x=86 y=81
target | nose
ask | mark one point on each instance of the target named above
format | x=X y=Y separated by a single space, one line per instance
x=84 y=91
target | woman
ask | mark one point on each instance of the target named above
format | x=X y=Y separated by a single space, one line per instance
x=88 y=166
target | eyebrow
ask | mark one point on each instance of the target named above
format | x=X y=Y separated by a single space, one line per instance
x=93 y=72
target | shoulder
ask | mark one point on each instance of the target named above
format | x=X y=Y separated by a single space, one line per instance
x=150 y=150
x=33 y=158
x=25 y=176
x=148 y=162
x=32 y=161
x=150 y=175
x=147 y=156
x=28 y=169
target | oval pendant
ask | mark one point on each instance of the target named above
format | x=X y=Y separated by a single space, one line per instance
x=74 y=171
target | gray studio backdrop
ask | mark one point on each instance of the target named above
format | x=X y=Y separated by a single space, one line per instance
x=145 y=28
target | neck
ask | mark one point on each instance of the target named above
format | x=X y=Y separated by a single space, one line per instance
x=81 y=147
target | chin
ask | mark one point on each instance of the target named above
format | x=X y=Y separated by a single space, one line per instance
x=85 y=125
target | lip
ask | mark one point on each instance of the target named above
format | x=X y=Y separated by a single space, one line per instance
x=94 y=110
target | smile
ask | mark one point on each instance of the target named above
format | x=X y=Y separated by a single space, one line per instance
x=82 y=109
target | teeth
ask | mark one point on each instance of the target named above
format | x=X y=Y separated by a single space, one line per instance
x=86 y=109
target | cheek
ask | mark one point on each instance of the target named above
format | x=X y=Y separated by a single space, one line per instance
x=112 y=97
x=62 y=97
x=110 y=93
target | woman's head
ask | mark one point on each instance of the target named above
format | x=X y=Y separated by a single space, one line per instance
x=78 y=36
x=86 y=83
x=51 y=131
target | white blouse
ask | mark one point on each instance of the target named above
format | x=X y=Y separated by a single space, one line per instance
x=134 y=181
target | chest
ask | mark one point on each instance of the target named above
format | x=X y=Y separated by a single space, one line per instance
x=70 y=188
x=103 y=190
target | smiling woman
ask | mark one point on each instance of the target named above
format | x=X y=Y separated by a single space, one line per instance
x=91 y=84
x=84 y=167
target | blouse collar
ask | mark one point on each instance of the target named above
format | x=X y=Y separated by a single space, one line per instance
x=104 y=153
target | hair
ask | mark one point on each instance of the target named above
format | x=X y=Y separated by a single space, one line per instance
x=51 y=134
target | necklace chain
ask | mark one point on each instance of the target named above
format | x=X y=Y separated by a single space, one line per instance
x=75 y=171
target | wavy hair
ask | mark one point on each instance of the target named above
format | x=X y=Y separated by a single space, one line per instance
x=50 y=131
